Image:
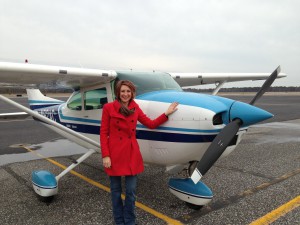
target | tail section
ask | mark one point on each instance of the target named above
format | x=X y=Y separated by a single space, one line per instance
x=37 y=100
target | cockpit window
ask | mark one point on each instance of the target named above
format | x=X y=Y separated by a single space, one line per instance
x=75 y=102
x=95 y=99
x=149 y=81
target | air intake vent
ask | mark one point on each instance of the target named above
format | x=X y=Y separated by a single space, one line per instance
x=217 y=119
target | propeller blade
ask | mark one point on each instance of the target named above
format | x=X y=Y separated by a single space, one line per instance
x=216 y=149
x=266 y=85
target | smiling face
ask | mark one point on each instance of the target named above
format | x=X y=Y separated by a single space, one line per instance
x=125 y=91
x=125 y=94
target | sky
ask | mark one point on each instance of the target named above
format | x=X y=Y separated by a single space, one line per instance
x=163 y=35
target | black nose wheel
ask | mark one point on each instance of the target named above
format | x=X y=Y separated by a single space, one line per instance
x=47 y=200
x=191 y=168
x=193 y=206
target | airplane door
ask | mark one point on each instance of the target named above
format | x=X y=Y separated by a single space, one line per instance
x=71 y=114
x=83 y=111
x=94 y=100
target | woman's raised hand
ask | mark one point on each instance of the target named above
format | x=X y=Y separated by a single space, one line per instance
x=172 y=108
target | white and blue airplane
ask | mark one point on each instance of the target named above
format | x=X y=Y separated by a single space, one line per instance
x=203 y=129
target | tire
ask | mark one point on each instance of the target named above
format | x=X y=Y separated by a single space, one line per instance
x=46 y=200
x=193 y=206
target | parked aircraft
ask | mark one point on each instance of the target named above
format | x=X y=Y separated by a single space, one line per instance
x=203 y=129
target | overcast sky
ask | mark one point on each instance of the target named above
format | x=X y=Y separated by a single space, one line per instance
x=166 y=35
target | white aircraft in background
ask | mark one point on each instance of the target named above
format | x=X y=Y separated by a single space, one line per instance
x=204 y=128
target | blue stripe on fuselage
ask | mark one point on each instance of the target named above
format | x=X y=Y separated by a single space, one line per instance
x=38 y=104
x=44 y=102
x=34 y=107
x=174 y=137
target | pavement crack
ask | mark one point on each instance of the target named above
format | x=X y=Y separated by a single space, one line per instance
x=246 y=172
x=20 y=179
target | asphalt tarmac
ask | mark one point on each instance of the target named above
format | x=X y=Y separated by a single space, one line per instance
x=258 y=182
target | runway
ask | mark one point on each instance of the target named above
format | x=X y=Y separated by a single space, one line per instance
x=258 y=183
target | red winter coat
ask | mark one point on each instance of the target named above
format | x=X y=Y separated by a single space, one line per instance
x=118 y=138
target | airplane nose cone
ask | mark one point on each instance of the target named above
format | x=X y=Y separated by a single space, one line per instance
x=249 y=114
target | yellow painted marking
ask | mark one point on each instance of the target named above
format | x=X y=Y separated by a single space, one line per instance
x=277 y=213
x=155 y=213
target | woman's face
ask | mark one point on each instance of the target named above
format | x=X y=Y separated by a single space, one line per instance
x=125 y=94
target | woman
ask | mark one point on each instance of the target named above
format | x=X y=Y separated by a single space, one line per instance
x=120 y=150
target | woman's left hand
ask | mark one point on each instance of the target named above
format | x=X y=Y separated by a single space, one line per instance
x=172 y=108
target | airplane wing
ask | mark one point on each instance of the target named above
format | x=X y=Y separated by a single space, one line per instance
x=192 y=79
x=29 y=74
x=14 y=116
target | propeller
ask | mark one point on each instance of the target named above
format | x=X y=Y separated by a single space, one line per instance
x=223 y=139
x=266 y=85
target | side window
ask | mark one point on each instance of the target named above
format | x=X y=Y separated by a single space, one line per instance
x=75 y=102
x=95 y=99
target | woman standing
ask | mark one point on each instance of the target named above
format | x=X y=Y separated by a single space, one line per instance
x=120 y=150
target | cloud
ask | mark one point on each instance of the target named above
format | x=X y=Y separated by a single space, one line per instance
x=176 y=35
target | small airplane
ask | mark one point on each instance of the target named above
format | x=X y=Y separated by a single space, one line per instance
x=203 y=129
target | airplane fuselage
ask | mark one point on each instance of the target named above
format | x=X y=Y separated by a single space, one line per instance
x=183 y=138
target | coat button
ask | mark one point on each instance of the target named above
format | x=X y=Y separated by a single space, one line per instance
x=132 y=120
x=119 y=129
x=132 y=129
x=120 y=138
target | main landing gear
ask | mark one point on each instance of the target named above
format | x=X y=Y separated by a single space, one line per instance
x=45 y=184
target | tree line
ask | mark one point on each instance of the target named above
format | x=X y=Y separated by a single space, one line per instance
x=247 y=89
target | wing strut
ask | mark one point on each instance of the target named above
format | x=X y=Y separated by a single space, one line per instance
x=51 y=122
x=220 y=85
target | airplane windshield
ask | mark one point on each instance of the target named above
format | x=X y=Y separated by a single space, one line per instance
x=149 y=81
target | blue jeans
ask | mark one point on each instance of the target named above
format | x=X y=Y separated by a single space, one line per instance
x=123 y=213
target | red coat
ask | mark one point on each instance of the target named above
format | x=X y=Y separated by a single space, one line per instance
x=118 y=138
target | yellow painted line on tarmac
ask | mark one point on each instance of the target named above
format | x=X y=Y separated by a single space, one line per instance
x=155 y=213
x=277 y=213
